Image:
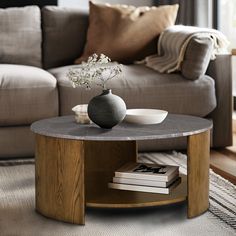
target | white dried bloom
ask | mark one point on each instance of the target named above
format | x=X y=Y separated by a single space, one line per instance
x=97 y=69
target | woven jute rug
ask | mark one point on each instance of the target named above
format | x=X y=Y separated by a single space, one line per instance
x=18 y=216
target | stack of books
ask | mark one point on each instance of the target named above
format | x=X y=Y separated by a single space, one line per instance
x=151 y=178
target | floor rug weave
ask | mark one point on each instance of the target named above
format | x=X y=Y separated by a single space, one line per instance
x=18 y=217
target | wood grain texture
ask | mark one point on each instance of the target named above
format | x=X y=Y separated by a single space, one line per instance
x=105 y=157
x=223 y=162
x=233 y=51
x=59 y=177
x=102 y=159
x=103 y=197
x=198 y=173
x=71 y=174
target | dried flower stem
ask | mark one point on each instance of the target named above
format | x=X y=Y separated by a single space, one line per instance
x=97 y=70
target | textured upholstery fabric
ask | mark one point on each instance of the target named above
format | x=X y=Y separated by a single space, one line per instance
x=16 y=141
x=221 y=70
x=21 y=36
x=27 y=94
x=126 y=33
x=64 y=35
x=197 y=58
x=142 y=87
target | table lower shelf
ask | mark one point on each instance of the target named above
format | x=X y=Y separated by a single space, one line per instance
x=100 y=196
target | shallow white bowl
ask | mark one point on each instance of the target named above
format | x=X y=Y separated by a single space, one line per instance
x=145 y=116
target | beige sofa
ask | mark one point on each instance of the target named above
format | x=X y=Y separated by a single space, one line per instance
x=35 y=87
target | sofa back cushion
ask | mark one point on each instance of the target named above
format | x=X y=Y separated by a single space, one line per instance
x=21 y=36
x=64 y=35
x=126 y=33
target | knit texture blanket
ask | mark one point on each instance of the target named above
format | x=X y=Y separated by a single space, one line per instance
x=173 y=42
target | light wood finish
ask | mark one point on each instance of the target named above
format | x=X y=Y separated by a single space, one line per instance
x=198 y=173
x=111 y=198
x=223 y=161
x=234 y=128
x=102 y=158
x=71 y=174
x=101 y=161
x=233 y=51
x=59 y=176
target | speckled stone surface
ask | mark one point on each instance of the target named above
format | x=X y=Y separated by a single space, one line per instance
x=172 y=126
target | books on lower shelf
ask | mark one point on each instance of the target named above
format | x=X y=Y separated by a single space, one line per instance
x=153 y=172
x=148 y=189
x=152 y=178
x=144 y=182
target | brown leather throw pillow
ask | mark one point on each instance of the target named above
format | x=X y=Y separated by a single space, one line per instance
x=126 y=33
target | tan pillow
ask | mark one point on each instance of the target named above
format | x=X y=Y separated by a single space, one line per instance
x=126 y=33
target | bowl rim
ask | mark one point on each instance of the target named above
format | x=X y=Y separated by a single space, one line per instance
x=162 y=112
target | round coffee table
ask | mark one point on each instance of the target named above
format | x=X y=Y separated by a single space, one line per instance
x=74 y=164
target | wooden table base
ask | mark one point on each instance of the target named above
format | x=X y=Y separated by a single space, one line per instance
x=72 y=174
x=198 y=173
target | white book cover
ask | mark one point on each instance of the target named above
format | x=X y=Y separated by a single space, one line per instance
x=154 y=172
x=145 y=188
x=143 y=182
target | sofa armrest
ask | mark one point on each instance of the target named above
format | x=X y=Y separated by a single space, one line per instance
x=220 y=70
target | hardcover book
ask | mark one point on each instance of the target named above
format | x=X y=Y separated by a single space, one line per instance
x=154 y=172
x=145 y=188
x=143 y=182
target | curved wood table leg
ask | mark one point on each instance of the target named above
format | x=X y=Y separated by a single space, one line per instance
x=64 y=167
x=68 y=171
x=198 y=173
x=59 y=173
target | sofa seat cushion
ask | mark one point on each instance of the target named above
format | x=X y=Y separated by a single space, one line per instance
x=141 y=87
x=27 y=94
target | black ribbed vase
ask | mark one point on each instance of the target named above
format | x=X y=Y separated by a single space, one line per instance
x=106 y=110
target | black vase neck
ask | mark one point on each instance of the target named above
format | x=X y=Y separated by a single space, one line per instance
x=106 y=91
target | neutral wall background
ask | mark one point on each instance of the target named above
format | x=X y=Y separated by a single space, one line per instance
x=84 y=3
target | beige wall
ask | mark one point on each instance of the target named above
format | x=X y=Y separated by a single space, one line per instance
x=130 y=2
x=227 y=24
x=234 y=74
x=74 y=3
x=84 y=3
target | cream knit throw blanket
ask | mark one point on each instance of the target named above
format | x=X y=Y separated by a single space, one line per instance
x=173 y=42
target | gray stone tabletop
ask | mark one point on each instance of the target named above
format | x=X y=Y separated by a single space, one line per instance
x=172 y=126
